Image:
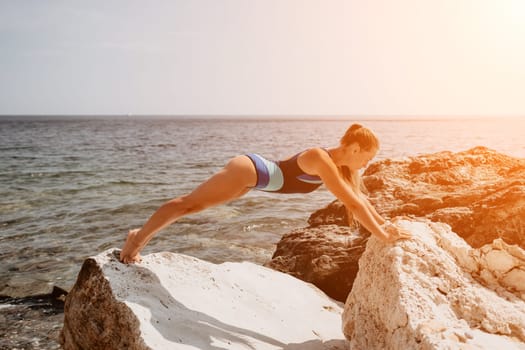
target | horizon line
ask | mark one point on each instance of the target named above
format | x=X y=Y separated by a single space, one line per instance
x=312 y=117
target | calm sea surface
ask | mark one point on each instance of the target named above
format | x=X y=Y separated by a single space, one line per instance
x=71 y=189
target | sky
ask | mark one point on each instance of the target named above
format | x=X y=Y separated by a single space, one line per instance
x=263 y=57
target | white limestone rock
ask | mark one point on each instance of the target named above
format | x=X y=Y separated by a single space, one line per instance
x=173 y=301
x=436 y=292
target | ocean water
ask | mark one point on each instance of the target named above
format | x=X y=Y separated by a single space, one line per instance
x=70 y=189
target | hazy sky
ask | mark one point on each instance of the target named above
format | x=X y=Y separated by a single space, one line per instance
x=267 y=57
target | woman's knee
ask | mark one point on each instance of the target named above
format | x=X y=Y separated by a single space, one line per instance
x=185 y=205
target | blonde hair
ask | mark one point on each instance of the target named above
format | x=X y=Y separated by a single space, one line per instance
x=367 y=141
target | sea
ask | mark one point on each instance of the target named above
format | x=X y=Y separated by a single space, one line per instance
x=72 y=187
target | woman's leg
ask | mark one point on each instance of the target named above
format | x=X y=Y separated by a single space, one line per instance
x=233 y=181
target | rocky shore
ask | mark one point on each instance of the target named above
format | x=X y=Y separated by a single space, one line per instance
x=459 y=283
x=431 y=292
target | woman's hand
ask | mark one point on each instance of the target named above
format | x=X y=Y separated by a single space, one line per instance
x=396 y=233
x=130 y=251
x=402 y=217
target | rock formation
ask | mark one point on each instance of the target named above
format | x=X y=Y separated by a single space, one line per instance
x=437 y=292
x=480 y=193
x=173 y=301
x=326 y=256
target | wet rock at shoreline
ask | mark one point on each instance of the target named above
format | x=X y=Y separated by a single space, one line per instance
x=480 y=193
x=31 y=322
x=333 y=214
x=437 y=292
x=173 y=301
x=326 y=256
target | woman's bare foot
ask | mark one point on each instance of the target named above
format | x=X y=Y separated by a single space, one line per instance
x=130 y=251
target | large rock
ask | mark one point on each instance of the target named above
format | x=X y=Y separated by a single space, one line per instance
x=480 y=193
x=173 y=301
x=334 y=213
x=326 y=256
x=437 y=292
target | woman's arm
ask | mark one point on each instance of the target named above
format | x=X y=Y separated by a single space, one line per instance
x=380 y=220
x=316 y=161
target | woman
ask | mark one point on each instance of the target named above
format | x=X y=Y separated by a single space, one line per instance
x=337 y=168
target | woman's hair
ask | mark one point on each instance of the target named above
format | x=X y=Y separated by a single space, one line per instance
x=364 y=137
x=367 y=141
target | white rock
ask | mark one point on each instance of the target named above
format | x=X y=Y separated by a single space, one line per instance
x=427 y=293
x=515 y=279
x=499 y=261
x=173 y=301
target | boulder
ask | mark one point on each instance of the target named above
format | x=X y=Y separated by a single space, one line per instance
x=480 y=193
x=326 y=256
x=334 y=213
x=437 y=292
x=173 y=301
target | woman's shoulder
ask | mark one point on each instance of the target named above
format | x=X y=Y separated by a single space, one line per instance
x=312 y=157
x=316 y=153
